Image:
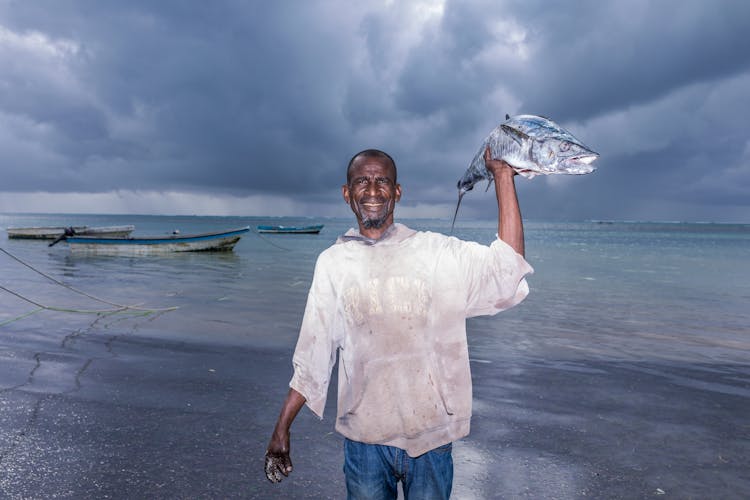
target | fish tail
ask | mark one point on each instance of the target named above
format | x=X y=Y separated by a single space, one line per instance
x=455 y=214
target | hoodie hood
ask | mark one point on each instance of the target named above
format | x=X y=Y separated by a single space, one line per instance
x=395 y=234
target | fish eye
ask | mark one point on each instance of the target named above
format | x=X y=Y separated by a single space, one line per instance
x=564 y=146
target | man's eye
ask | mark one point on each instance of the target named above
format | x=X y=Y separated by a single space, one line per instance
x=384 y=180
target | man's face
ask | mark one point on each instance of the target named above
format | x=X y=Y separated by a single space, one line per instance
x=372 y=193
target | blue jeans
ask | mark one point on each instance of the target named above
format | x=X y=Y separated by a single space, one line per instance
x=372 y=472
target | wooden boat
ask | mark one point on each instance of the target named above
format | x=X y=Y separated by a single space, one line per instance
x=149 y=245
x=291 y=229
x=52 y=233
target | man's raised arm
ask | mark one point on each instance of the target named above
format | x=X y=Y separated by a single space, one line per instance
x=509 y=223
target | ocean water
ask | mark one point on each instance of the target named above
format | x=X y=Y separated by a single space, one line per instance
x=601 y=290
x=624 y=374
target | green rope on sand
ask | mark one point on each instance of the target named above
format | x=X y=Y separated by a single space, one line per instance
x=137 y=311
x=41 y=307
x=26 y=315
x=72 y=289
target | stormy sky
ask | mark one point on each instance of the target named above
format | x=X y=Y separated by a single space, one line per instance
x=233 y=107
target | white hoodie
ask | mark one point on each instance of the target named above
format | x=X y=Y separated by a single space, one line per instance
x=396 y=311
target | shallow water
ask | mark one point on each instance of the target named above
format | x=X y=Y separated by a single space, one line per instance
x=602 y=290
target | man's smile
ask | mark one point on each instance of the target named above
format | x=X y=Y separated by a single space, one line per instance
x=372 y=204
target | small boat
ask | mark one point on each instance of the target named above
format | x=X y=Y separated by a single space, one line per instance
x=291 y=229
x=52 y=233
x=150 y=245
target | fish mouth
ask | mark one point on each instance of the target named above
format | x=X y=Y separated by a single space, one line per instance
x=586 y=159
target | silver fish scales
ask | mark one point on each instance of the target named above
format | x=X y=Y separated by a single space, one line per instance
x=533 y=145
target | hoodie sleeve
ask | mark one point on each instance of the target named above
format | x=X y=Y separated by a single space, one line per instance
x=315 y=353
x=495 y=276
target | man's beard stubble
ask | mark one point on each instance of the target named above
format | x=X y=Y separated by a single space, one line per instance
x=373 y=223
x=376 y=222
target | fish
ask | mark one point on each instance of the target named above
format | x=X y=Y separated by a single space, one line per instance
x=532 y=145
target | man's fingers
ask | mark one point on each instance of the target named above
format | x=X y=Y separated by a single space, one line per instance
x=286 y=465
x=270 y=470
x=276 y=466
x=488 y=156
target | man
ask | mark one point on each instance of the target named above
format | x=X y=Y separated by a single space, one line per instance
x=393 y=303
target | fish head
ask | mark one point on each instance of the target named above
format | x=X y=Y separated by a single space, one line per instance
x=563 y=154
x=552 y=148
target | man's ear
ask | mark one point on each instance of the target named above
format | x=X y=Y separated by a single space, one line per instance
x=398 y=192
x=345 y=193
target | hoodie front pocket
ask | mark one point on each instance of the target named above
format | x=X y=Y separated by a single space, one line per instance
x=395 y=397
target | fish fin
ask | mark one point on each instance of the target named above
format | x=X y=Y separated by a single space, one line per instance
x=515 y=134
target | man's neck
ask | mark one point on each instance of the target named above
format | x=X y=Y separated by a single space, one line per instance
x=375 y=234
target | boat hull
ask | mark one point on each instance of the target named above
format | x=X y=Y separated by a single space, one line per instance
x=290 y=229
x=154 y=245
x=51 y=233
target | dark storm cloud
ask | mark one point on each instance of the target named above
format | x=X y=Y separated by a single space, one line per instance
x=215 y=96
x=625 y=53
x=273 y=98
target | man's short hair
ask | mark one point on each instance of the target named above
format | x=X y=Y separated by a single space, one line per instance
x=372 y=153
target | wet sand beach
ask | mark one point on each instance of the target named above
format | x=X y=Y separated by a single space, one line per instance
x=116 y=410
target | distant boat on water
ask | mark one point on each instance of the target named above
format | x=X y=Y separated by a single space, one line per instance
x=52 y=233
x=150 y=245
x=291 y=229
